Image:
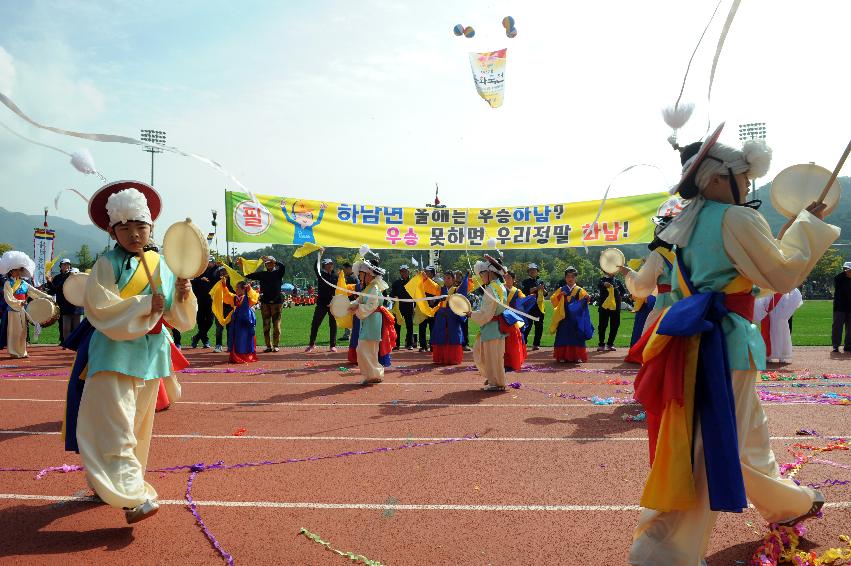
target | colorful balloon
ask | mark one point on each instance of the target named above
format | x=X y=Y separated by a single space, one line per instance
x=512 y=33
x=458 y=30
x=469 y=31
x=507 y=22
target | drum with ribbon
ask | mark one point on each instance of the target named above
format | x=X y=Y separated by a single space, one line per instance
x=459 y=304
x=798 y=186
x=339 y=306
x=185 y=250
x=74 y=288
x=611 y=260
x=43 y=311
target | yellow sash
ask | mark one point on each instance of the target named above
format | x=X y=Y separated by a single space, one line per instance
x=16 y=285
x=609 y=304
x=139 y=280
x=346 y=321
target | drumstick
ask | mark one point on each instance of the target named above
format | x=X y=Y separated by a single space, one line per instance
x=835 y=173
x=148 y=273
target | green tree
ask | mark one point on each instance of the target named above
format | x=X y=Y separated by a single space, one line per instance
x=84 y=258
x=820 y=281
x=4 y=247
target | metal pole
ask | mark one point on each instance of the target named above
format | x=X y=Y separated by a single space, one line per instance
x=152 y=168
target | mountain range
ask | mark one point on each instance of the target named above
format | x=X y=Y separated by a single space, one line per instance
x=16 y=228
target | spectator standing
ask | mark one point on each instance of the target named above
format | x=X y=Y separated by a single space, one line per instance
x=271 y=300
x=611 y=292
x=70 y=314
x=201 y=287
x=325 y=293
x=398 y=291
x=842 y=308
x=533 y=285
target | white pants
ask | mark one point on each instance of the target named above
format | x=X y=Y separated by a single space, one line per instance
x=489 y=357
x=680 y=538
x=652 y=317
x=16 y=333
x=367 y=351
x=114 y=434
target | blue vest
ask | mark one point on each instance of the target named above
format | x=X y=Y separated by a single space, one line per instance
x=712 y=270
x=146 y=357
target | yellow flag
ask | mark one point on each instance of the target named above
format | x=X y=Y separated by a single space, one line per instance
x=306 y=249
x=250 y=265
x=48 y=267
x=346 y=321
x=221 y=295
x=417 y=287
x=235 y=276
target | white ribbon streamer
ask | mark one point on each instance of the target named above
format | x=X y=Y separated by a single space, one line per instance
x=110 y=138
x=729 y=22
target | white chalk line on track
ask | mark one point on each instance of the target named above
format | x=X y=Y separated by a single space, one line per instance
x=404 y=439
x=369 y=506
x=554 y=405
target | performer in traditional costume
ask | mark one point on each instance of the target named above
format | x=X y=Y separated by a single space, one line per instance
x=376 y=332
x=447 y=334
x=241 y=321
x=773 y=313
x=709 y=437
x=499 y=343
x=571 y=321
x=4 y=309
x=128 y=351
x=18 y=267
x=654 y=276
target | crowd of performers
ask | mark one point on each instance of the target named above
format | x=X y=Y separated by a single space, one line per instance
x=714 y=296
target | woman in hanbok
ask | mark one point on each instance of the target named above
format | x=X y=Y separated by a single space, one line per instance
x=18 y=267
x=571 y=320
x=447 y=334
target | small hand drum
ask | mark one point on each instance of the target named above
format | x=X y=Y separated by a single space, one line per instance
x=611 y=260
x=798 y=186
x=43 y=311
x=185 y=250
x=74 y=288
x=459 y=304
x=340 y=306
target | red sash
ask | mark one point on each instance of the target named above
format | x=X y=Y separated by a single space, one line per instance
x=515 y=349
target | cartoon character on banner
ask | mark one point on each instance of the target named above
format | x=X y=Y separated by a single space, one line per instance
x=301 y=215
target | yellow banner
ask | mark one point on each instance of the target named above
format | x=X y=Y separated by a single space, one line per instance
x=297 y=221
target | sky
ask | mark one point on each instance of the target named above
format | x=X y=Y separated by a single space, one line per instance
x=373 y=101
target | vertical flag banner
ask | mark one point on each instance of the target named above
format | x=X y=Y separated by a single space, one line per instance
x=298 y=221
x=43 y=247
x=489 y=75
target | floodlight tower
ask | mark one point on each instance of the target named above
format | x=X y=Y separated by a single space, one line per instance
x=156 y=137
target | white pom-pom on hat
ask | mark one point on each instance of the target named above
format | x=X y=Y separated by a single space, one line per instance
x=128 y=205
x=83 y=162
x=14 y=259
x=758 y=155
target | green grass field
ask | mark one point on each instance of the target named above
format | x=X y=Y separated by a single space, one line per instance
x=811 y=327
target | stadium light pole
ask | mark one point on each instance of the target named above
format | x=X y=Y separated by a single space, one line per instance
x=156 y=137
x=752 y=131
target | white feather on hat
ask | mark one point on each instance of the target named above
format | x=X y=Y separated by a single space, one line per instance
x=126 y=206
x=16 y=260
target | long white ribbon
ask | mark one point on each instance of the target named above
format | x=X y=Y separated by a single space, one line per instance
x=729 y=22
x=110 y=138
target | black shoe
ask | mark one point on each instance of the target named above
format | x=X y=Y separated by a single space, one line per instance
x=836 y=350
x=267 y=350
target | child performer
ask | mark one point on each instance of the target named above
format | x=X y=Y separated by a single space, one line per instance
x=447 y=335
x=709 y=436
x=773 y=313
x=18 y=266
x=571 y=321
x=129 y=350
x=241 y=321
x=499 y=343
x=376 y=334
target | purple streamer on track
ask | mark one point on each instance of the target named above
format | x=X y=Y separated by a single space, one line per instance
x=33 y=374
x=190 y=503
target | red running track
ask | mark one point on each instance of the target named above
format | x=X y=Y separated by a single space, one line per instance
x=548 y=480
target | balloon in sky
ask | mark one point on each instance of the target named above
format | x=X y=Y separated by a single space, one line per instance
x=469 y=31
x=511 y=33
x=458 y=30
x=507 y=22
